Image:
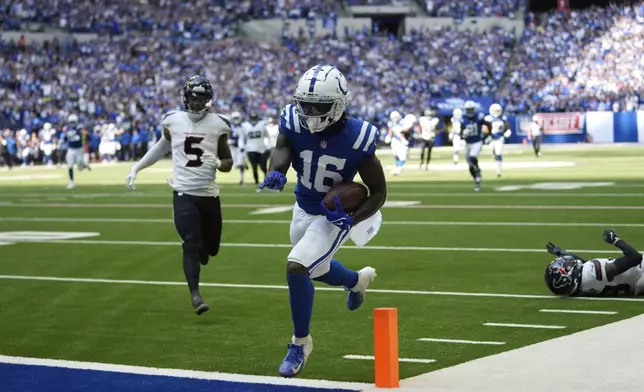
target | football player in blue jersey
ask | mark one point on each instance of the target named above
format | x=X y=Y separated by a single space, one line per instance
x=325 y=148
x=74 y=139
x=472 y=126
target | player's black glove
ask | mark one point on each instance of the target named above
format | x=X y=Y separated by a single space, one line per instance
x=554 y=249
x=610 y=236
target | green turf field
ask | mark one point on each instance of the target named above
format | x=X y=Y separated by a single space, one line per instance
x=428 y=255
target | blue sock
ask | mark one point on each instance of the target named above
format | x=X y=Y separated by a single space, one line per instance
x=71 y=174
x=300 y=289
x=499 y=158
x=339 y=275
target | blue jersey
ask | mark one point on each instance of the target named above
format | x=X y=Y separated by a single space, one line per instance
x=73 y=136
x=472 y=129
x=323 y=160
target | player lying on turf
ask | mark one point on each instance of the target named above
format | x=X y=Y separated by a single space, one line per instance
x=571 y=275
x=198 y=140
x=325 y=148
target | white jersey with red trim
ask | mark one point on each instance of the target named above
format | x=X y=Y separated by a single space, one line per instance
x=594 y=280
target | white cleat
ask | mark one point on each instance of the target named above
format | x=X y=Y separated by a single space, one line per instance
x=71 y=185
x=357 y=293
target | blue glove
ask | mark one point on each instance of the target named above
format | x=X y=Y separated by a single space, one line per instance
x=274 y=180
x=338 y=217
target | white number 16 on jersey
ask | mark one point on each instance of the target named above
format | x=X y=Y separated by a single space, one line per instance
x=322 y=172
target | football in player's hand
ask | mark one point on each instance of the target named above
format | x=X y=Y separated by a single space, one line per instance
x=351 y=194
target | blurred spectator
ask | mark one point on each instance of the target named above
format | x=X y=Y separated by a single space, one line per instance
x=591 y=60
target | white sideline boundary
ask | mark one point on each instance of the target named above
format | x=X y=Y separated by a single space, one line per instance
x=575 y=362
x=192 y=374
x=421 y=206
x=277 y=287
x=285 y=222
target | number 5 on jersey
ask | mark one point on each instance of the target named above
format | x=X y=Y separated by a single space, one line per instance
x=191 y=147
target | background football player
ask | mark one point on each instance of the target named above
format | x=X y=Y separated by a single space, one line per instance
x=255 y=144
x=428 y=127
x=472 y=126
x=499 y=131
x=325 y=148
x=571 y=275
x=75 y=155
x=455 y=133
x=394 y=130
x=198 y=140
x=536 y=131
x=237 y=142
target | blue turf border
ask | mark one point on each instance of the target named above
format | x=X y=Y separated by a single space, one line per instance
x=33 y=378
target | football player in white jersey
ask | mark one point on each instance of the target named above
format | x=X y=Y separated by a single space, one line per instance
x=255 y=144
x=198 y=140
x=455 y=133
x=570 y=275
x=500 y=130
x=46 y=143
x=273 y=132
x=237 y=142
x=428 y=126
x=394 y=130
x=536 y=132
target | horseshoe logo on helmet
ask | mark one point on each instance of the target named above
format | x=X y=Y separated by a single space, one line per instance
x=343 y=91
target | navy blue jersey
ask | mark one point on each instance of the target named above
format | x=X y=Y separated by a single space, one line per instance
x=472 y=129
x=324 y=160
x=73 y=136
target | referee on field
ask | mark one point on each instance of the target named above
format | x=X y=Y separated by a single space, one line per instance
x=536 y=132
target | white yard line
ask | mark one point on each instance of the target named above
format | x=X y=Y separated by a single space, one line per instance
x=576 y=311
x=423 y=206
x=534 y=326
x=277 y=287
x=459 y=341
x=192 y=374
x=371 y=358
x=368 y=247
x=282 y=221
x=224 y=195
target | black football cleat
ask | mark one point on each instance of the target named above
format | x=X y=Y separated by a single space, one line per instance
x=200 y=306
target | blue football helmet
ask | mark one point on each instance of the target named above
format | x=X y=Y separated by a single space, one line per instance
x=563 y=275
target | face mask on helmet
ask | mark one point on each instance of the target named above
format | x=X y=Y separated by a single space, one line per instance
x=563 y=275
x=197 y=102
x=316 y=115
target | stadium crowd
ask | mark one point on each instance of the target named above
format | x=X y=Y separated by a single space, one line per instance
x=197 y=19
x=479 y=8
x=591 y=60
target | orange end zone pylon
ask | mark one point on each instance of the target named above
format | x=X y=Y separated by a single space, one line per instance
x=385 y=341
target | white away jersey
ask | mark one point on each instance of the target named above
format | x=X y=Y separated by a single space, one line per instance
x=194 y=151
x=594 y=281
x=535 y=129
x=498 y=125
x=254 y=137
x=428 y=127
